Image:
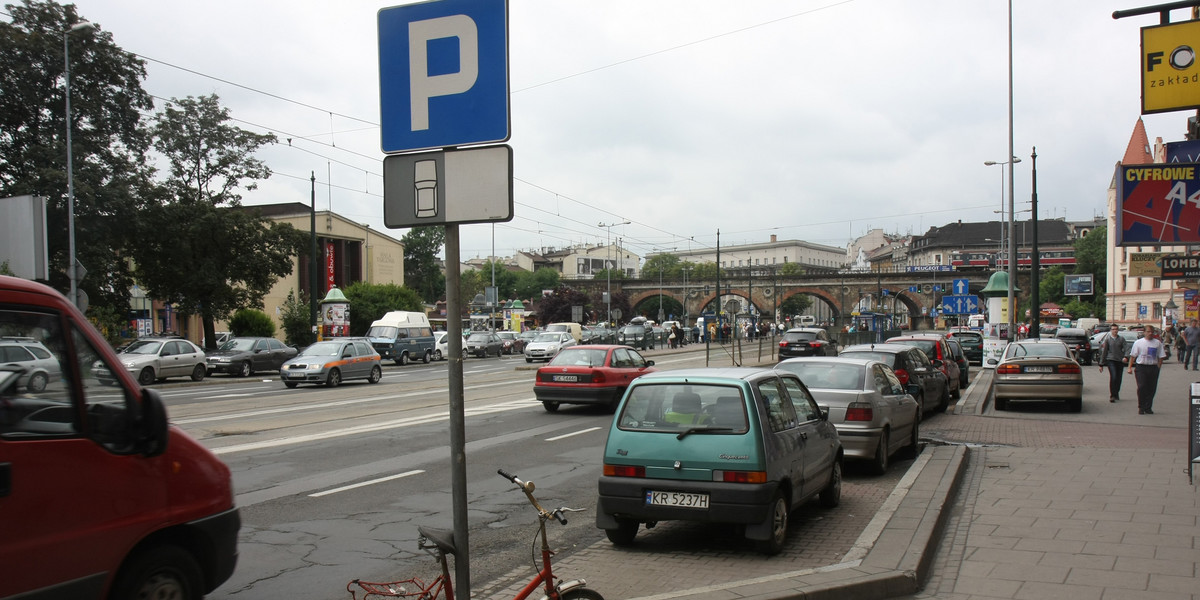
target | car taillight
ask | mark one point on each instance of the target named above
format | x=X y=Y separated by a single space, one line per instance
x=1009 y=369
x=1069 y=369
x=740 y=476
x=859 y=411
x=814 y=344
x=902 y=375
x=783 y=343
x=597 y=377
x=624 y=471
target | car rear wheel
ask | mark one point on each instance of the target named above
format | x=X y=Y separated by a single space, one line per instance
x=944 y=401
x=376 y=374
x=914 y=438
x=1001 y=404
x=437 y=355
x=880 y=463
x=779 y=526
x=550 y=406
x=37 y=383
x=146 y=377
x=831 y=496
x=199 y=372
x=245 y=371
x=624 y=533
x=428 y=357
x=334 y=378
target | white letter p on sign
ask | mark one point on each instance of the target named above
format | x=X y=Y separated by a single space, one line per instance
x=423 y=86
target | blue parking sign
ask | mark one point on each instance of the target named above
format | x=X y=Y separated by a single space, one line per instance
x=443 y=74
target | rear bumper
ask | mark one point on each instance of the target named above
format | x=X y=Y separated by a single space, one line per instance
x=1037 y=390
x=625 y=498
x=859 y=443
x=580 y=395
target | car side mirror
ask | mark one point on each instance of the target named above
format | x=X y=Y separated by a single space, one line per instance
x=649 y=363
x=913 y=390
x=824 y=413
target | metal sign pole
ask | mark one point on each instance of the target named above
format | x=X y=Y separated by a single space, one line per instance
x=458 y=436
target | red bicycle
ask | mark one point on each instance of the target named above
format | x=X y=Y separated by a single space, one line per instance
x=440 y=542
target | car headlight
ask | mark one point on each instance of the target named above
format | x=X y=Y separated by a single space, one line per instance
x=129 y=364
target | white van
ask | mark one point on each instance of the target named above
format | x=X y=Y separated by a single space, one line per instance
x=402 y=336
x=575 y=329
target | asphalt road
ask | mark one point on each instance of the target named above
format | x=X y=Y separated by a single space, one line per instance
x=332 y=483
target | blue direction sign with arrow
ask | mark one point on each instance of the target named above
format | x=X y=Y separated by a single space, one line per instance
x=960 y=305
x=961 y=286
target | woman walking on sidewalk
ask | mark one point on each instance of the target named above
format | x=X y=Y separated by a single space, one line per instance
x=1146 y=356
x=1112 y=355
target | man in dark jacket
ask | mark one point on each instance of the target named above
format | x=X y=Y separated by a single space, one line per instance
x=1112 y=354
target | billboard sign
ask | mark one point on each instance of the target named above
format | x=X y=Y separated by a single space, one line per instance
x=443 y=74
x=1158 y=204
x=1170 y=73
x=1146 y=264
x=1178 y=266
x=1078 y=285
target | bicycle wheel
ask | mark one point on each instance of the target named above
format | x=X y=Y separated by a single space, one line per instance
x=582 y=594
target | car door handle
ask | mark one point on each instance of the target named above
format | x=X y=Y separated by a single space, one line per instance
x=804 y=435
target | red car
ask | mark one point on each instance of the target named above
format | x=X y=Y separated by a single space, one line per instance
x=596 y=374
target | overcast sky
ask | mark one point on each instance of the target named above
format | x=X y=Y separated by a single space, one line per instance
x=807 y=119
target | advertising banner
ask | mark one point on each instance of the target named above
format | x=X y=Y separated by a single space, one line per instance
x=1178 y=266
x=1145 y=264
x=1170 y=75
x=1158 y=204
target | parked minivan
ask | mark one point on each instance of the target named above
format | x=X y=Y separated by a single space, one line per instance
x=403 y=336
x=575 y=329
x=99 y=496
x=741 y=446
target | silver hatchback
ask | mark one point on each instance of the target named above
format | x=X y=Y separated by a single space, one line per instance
x=330 y=362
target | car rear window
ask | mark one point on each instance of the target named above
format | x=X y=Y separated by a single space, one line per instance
x=580 y=357
x=928 y=347
x=1021 y=350
x=799 y=336
x=886 y=358
x=826 y=375
x=676 y=407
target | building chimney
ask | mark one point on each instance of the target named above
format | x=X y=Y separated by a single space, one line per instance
x=772 y=238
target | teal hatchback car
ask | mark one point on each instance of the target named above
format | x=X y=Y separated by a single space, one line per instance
x=732 y=445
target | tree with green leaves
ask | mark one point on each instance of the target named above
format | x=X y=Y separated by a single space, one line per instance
x=109 y=142
x=666 y=266
x=197 y=247
x=556 y=308
x=795 y=305
x=297 y=324
x=421 y=270
x=530 y=285
x=370 y=301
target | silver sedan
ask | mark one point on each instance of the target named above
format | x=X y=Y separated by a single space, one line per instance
x=1038 y=370
x=875 y=415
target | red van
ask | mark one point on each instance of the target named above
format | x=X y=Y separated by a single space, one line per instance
x=99 y=496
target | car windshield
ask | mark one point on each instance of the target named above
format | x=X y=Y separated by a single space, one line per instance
x=548 y=337
x=323 y=349
x=144 y=347
x=238 y=344
x=635 y=329
x=479 y=338
x=680 y=407
x=1020 y=350
x=383 y=331
x=507 y=335
x=886 y=358
x=580 y=357
x=826 y=375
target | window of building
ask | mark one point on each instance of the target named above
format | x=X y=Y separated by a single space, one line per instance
x=937 y=259
x=1124 y=312
x=1157 y=282
x=1158 y=312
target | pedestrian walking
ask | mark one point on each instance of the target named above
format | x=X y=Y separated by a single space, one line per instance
x=1181 y=347
x=1145 y=360
x=1192 y=336
x=1112 y=355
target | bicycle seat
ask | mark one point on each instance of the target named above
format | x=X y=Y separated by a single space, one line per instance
x=443 y=538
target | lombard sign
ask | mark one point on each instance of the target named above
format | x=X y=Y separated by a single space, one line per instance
x=1158 y=204
x=443 y=74
x=1170 y=75
x=1176 y=266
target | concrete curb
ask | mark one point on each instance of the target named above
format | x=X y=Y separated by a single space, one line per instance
x=899 y=549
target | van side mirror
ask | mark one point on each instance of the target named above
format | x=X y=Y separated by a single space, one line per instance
x=151 y=424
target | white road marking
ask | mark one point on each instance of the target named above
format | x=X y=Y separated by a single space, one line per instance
x=567 y=435
x=365 y=483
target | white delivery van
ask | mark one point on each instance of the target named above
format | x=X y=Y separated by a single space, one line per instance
x=575 y=329
x=402 y=336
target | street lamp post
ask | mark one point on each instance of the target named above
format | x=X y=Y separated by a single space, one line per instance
x=73 y=296
x=608 y=266
x=1010 y=257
